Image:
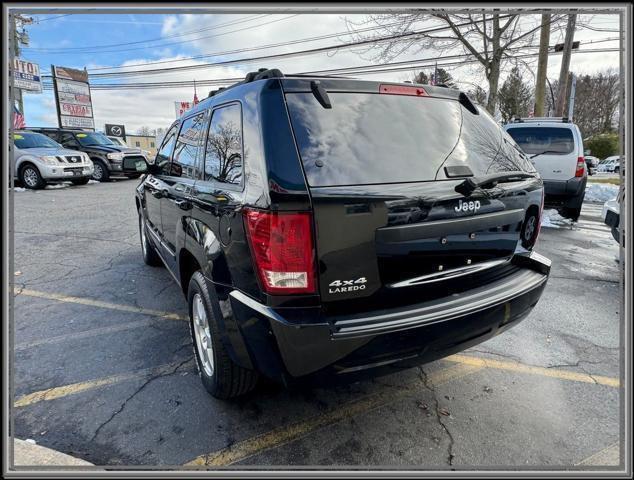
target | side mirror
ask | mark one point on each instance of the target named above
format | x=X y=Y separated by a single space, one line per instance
x=136 y=165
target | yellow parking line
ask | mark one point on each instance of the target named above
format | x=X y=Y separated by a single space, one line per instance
x=85 y=334
x=544 y=372
x=608 y=457
x=283 y=435
x=98 y=303
x=58 y=392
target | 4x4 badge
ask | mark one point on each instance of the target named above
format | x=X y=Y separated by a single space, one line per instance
x=342 y=286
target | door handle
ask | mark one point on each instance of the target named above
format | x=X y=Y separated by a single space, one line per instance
x=159 y=193
x=184 y=204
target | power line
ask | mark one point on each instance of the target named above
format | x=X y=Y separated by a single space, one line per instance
x=156 y=39
x=64 y=52
x=359 y=70
x=246 y=49
x=312 y=51
x=52 y=18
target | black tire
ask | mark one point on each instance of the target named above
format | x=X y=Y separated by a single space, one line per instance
x=80 y=181
x=150 y=256
x=571 y=213
x=101 y=172
x=227 y=380
x=30 y=177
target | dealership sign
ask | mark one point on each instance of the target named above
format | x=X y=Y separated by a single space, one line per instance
x=26 y=76
x=182 y=107
x=115 y=130
x=72 y=95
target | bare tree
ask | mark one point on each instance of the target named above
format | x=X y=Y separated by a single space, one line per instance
x=145 y=131
x=490 y=38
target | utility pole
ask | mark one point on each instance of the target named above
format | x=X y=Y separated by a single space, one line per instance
x=565 y=64
x=542 y=65
x=19 y=38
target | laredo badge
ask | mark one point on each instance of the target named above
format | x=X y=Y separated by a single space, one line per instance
x=341 y=286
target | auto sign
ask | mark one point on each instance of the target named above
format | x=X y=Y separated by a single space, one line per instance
x=26 y=76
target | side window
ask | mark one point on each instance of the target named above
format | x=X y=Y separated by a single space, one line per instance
x=163 y=155
x=68 y=140
x=187 y=147
x=223 y=155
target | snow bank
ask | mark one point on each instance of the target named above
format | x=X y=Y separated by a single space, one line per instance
x=552 y=219
x=600 y=192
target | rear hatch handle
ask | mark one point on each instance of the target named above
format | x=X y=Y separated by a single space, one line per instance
x=467 y=186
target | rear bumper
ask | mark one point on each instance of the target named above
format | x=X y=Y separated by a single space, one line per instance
x=560 y=190
x=285 y=349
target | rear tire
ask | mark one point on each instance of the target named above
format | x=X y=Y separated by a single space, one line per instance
x=571 y=213
x=150 y=256
x=30 y=177
x=80 y=181
x=220 y=376
x=100 y=172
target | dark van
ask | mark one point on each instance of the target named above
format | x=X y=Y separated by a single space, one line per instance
x=329 y=226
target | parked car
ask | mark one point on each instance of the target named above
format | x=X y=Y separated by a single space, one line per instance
x=556 y=148
x=107 y=157
x=611 y=215
x=38 y=160
x=331 y=228
x=591 y=164
x=117 y=140
x=120 y=141
x=611 y=164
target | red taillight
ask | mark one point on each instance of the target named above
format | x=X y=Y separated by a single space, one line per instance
x=539 y=219
x=402 y=90
x=581 y=167
x=282 y=247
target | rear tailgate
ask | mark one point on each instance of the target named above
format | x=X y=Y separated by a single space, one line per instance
x=390 y=227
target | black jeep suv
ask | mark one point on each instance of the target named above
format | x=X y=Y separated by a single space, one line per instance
x=108 y=157
x=328 y=226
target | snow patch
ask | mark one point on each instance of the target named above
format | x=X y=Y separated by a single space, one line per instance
x=93 y=181
x=600 y=192
x=54 y=186
x=19 y=189
x=552 y=219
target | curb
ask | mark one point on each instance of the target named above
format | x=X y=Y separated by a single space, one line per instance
x=27 y=454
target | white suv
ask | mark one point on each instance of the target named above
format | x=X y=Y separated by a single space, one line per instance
x=38 y=160
x=555 y=147
x=611 y=164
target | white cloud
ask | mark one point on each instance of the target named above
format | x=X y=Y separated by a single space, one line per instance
x=154 y=108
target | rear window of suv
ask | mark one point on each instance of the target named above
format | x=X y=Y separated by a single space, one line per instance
x=368 y=138
x=554 y=141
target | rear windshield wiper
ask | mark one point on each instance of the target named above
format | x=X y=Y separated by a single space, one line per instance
x=467 y=187
x=544 y=152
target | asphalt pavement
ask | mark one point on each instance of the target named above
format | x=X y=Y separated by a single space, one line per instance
x=103 y=365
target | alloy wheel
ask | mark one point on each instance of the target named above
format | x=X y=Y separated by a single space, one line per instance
x=202 y=334
x=30 y=177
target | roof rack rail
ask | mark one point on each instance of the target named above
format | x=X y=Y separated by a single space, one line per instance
x=541 y=119
x=261 y=74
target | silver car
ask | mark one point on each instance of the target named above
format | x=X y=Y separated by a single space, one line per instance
x=38 y=160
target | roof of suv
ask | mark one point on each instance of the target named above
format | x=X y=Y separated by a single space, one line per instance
x=305 y=83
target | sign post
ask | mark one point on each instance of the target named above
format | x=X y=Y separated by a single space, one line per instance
x=72 y=98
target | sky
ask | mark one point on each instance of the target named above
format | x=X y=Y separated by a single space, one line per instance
x=95 y=41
